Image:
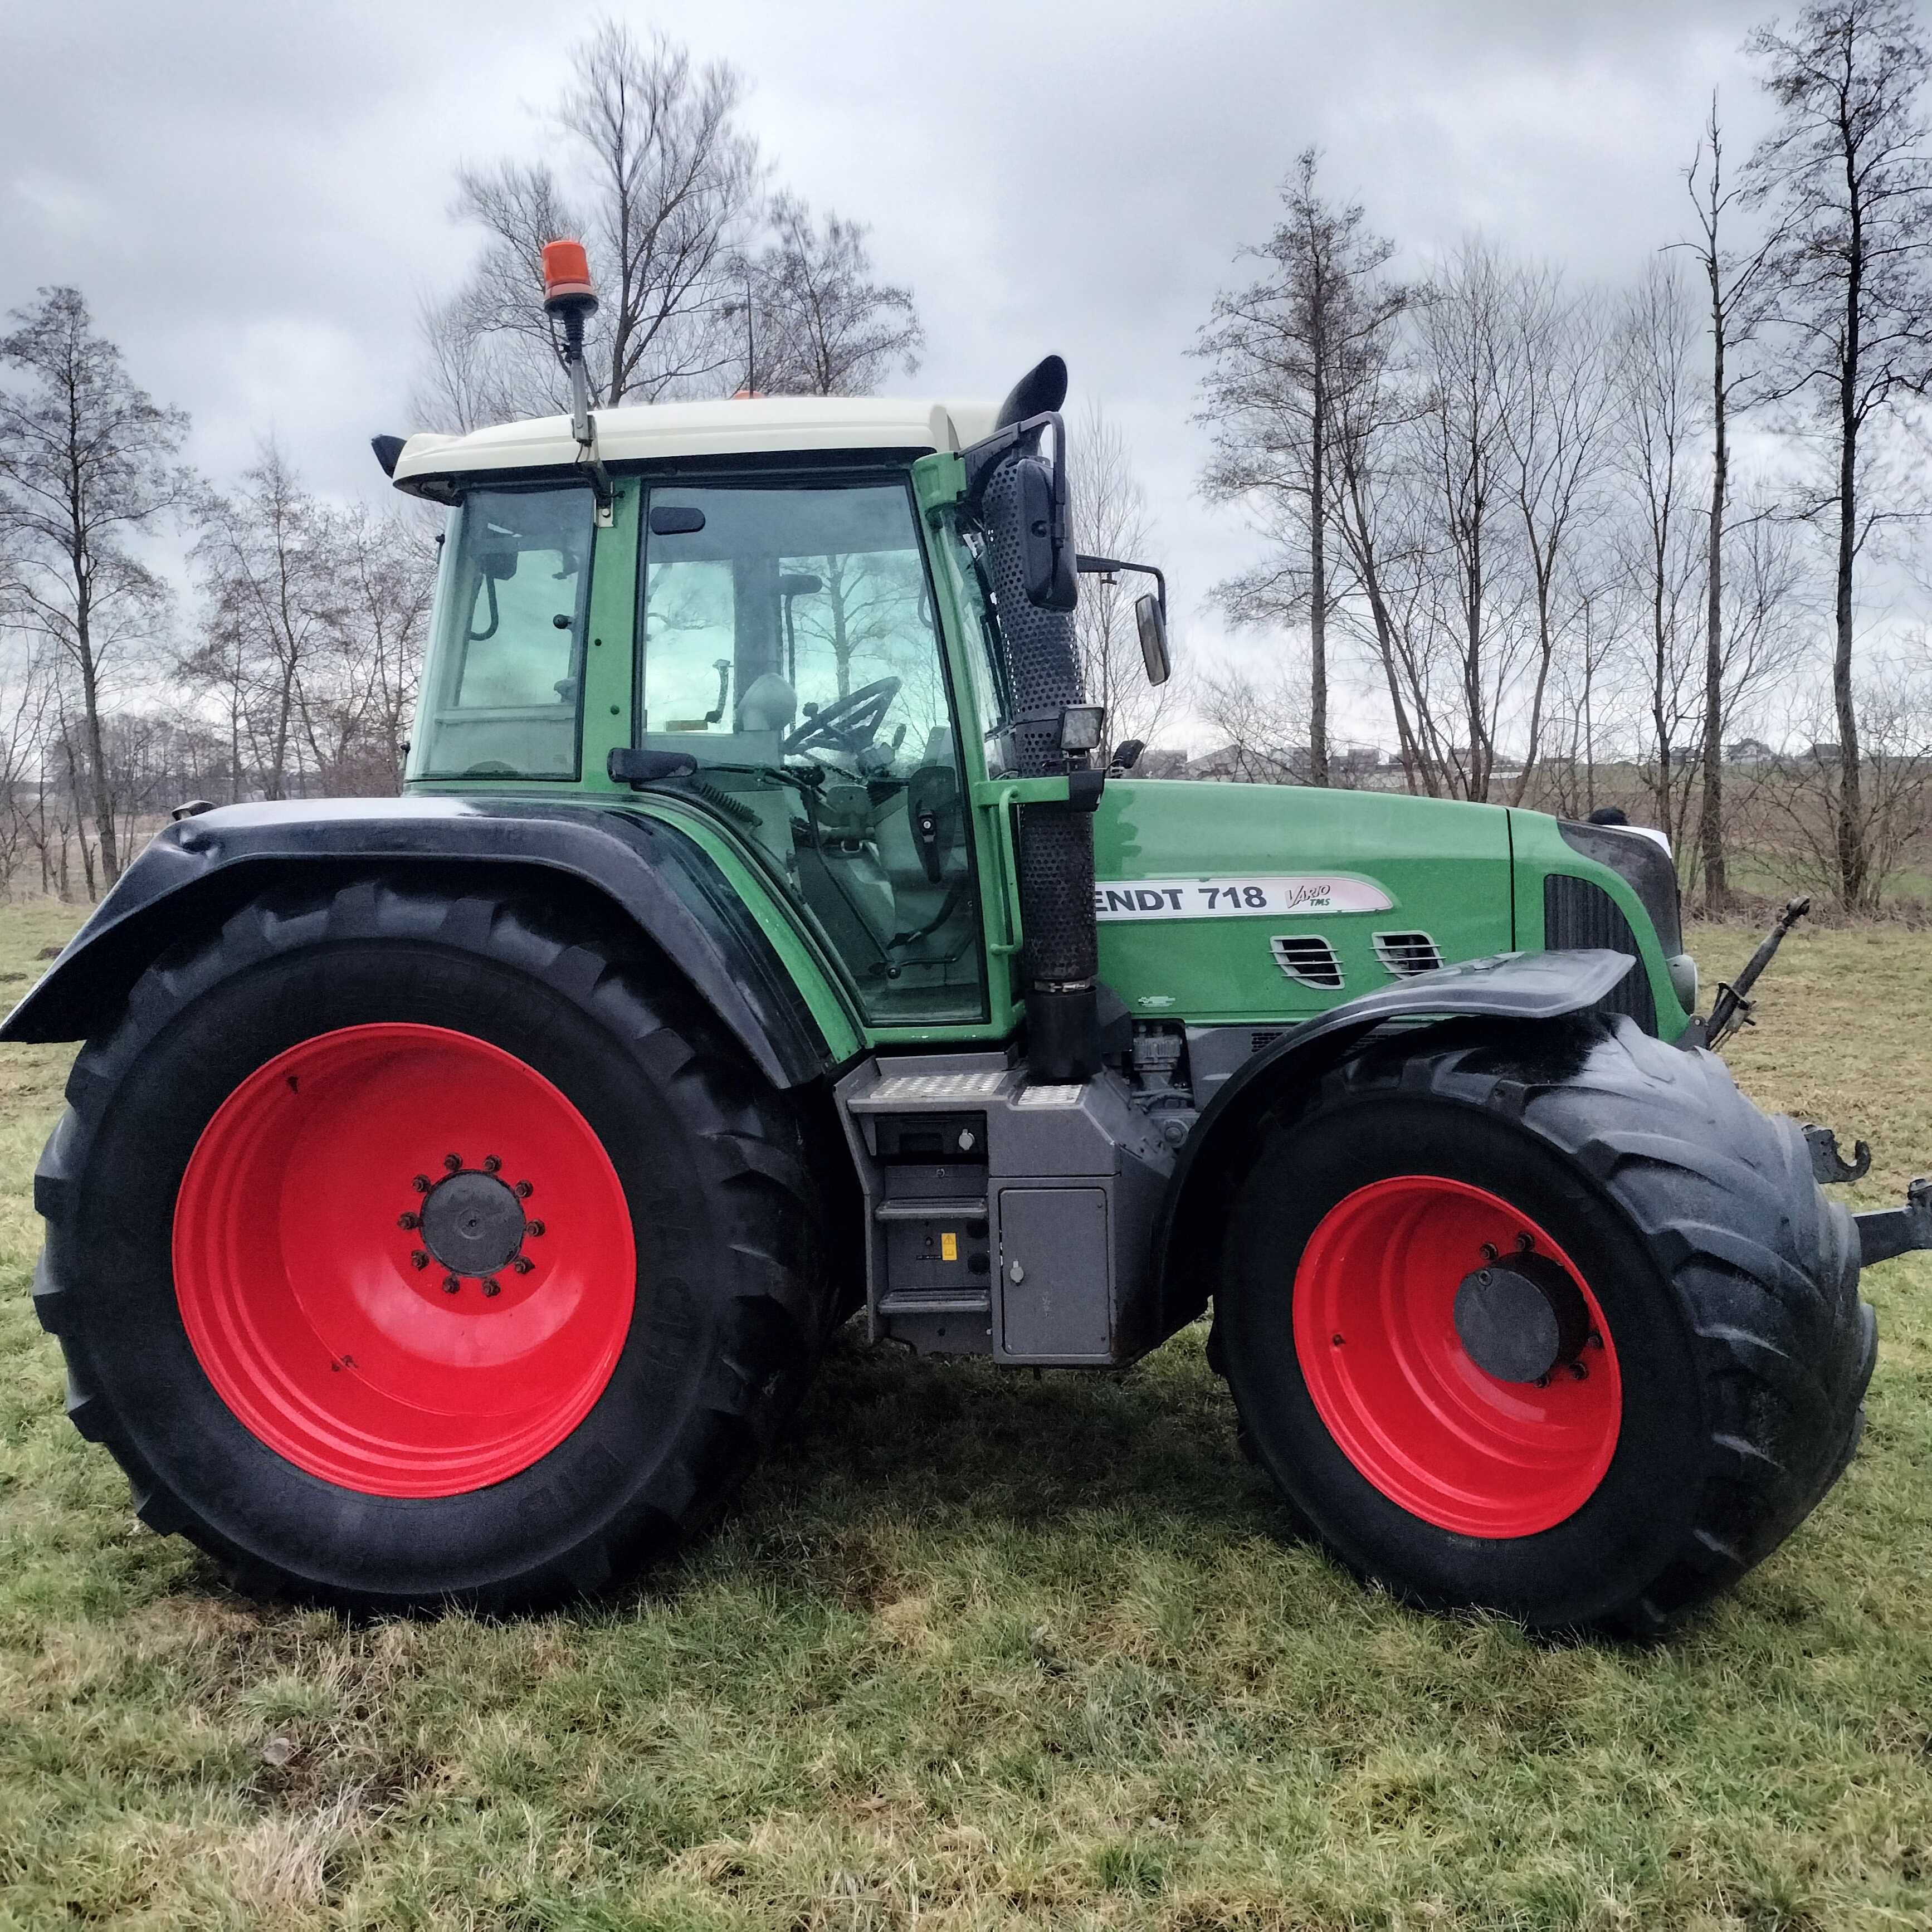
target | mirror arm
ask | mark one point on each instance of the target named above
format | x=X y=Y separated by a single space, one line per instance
x=1105 y=566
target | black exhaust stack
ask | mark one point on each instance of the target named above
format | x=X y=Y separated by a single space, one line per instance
x=1022 y=501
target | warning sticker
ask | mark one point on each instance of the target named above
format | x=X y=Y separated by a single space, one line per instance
x=1226 y=898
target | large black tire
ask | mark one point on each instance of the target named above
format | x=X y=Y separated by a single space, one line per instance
x=732 y=1292
x=1729 y=1282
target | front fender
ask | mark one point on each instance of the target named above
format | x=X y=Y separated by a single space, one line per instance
x=193 y=873
x=1528 y=986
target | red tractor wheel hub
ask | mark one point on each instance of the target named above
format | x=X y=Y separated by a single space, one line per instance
x=1390 y=1359
x=404 y=1260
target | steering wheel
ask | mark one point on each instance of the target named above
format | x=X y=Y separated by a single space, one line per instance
x=847 y=723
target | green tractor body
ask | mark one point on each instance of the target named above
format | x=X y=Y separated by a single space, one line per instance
x=457 y=1188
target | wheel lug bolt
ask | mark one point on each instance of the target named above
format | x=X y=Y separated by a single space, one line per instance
x=1525 y=1243
x=1593 y=1340
x=452 y=1162
x=1543 y=1382
x=452 y=1284
x=523 y=1264
x=1580 y=1372
x=524 y=1190
x=421 y=1183
x=408 y=1221
x=492 y=1288
x=491 y=1165
x=419 y=1259
x=533 y=1227
x=1490 y=1252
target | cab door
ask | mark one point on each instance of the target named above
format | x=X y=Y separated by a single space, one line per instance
x=789 y=642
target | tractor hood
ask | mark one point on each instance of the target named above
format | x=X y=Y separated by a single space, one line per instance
x=1226 y=904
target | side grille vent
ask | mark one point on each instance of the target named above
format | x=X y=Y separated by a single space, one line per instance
x=1406 y=954
x=1577 y=914
x=1308 y=958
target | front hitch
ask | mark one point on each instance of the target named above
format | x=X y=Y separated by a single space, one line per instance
x=1885 y=1232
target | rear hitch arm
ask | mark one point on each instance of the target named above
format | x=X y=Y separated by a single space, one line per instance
x=1887 y=1231
x=1732 y=1008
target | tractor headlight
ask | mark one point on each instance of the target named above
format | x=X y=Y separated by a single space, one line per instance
x=1683 y=980
x=1081 y=727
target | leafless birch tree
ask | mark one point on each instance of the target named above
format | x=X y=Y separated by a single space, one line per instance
x=88 y=465
x=656 y=174
x=1283 y=354
x=1846 y=176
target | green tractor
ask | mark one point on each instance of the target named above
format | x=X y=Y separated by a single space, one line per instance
x=456 y=1191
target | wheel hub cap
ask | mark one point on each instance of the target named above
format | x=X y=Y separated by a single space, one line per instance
x=472 y=1223
x=1520 y=1320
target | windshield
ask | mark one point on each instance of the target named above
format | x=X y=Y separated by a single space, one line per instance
x=790 y=646
x=501 y=697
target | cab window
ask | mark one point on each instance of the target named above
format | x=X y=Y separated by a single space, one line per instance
x=501 y=699
x=789 y=645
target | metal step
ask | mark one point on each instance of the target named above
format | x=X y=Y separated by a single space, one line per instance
x=905 y=1303
x=934 y=1208
x=937 y=1093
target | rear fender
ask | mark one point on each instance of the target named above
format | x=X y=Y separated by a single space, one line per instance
x=1527 y=986
x=192 y=873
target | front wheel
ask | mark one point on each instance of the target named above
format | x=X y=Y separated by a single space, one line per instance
x=410 y=1249
x=1553 y=1322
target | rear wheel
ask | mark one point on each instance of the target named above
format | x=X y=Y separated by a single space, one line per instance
x=409 y=1250
x=1556 y=1323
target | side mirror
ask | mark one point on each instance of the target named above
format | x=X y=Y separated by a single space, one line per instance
x=1046 y=557
x=1153 y=627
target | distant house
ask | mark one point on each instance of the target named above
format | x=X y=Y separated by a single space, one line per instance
x=1748 y=751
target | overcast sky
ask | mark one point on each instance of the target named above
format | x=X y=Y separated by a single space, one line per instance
x=255 y=197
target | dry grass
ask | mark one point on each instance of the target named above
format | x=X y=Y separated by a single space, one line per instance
x=984 y=1649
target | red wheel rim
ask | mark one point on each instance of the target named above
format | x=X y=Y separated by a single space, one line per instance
x=1375 y=1333
x=306 y=1203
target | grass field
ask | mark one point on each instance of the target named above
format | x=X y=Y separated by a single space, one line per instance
x=984 y=1649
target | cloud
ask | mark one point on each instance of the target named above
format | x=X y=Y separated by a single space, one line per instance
x=256 y=198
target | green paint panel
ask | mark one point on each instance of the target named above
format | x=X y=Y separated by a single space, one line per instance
x=1444 y=865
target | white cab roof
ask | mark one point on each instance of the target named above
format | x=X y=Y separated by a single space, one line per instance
x=754 y=425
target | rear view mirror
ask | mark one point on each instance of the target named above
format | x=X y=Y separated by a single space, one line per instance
x=676 y=519
x=1153 y=628
x=1046 y=556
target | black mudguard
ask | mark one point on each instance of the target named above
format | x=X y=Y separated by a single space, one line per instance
x=195 y=872
x=1514 y=986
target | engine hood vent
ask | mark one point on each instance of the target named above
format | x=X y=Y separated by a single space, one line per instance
x=1406 y=954
x=1309 y=957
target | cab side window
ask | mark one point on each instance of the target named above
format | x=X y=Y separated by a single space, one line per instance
x=502 y=700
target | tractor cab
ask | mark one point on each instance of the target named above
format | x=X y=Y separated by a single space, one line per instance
x=776 y=649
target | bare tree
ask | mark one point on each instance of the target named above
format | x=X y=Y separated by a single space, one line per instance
x=88 y=463
x=1738 y=289
x=268 y=560
x=816 y=322
x=656 y=175
x=1260 y=725
x=1110 y=519
x=1283 y=354
x=1658 y=454
x=1847 y=177
x=1476 y=600
x=357 y=697
x=1804 y=798
x=1558 y=407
